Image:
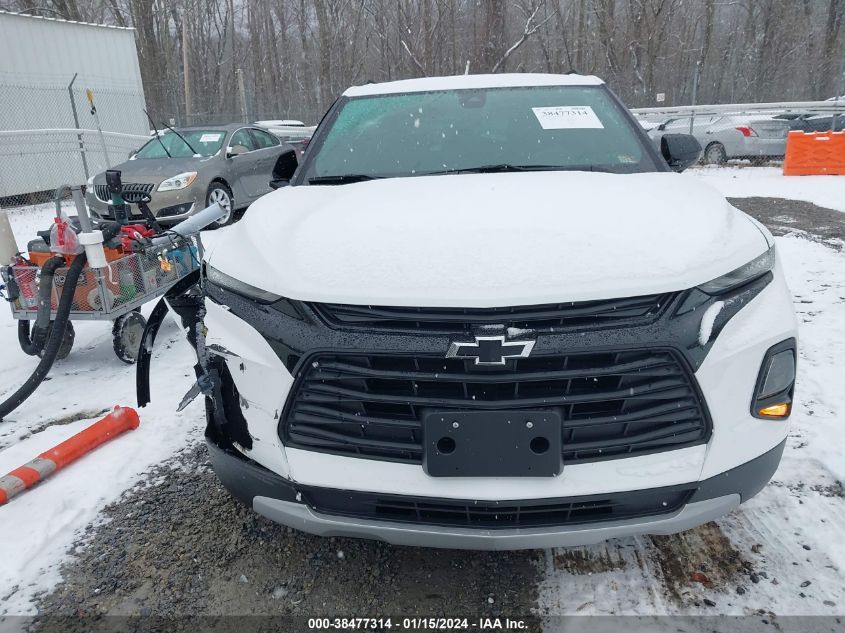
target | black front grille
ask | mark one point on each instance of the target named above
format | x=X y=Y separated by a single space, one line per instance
x=499 y=514
x=132 y=191
x=613 y=404
x=605 y=313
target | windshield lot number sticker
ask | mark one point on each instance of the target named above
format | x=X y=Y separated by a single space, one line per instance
x=567 y=118
x=209 y=138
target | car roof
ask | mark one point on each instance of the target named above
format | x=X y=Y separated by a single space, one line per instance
x=469 y=82
x=228 y=127
x=280 y=123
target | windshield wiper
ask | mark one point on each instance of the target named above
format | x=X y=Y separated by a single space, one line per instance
x=340 y=179
x=158 y=136
x=506 y=167
x=190 y=147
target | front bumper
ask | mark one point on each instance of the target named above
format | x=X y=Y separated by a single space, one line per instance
x=167 y=207
x=254 y=344
x=282 y=501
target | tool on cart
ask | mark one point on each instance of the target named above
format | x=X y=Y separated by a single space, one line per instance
x=76 y=270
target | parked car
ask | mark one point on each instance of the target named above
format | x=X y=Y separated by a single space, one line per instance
x=193 y=167
x=728 y=137
x=825 y=123
x=287 y=129
x=293 y=133
x=491 y=316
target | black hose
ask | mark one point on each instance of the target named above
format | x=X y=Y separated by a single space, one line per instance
x=57 y=332
x=23 y=338
x=34 y=345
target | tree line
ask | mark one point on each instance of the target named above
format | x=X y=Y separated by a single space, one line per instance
x=206 y=61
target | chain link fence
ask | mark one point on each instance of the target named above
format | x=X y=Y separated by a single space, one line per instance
x=51 y=135
x=749 y=133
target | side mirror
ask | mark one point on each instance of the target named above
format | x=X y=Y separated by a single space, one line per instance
x=284 y=169
x=236 y=150
x=680 y=150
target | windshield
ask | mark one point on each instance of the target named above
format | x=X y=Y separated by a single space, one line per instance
x=204 y=142
x=557 y=127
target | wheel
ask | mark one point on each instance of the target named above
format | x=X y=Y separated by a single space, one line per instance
x=220 y=193
x=715 y=154
x=67 y=340
x=127 y=335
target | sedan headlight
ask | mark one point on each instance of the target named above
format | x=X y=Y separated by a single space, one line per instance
x=755 y=268
x=237 y=286
x=179 y=181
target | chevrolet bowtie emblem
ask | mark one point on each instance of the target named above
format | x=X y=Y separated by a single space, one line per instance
x=490 y=350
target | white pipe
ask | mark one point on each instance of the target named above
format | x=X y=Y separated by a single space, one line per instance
x=194 y=224
x=740 y=108
x=70 y=130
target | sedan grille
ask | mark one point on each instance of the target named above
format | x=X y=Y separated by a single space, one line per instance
x=132 y=191
x=613 y=404
x=498 y=514
x=604 y=313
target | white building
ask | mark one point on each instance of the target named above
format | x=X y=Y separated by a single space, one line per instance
x=40 y=147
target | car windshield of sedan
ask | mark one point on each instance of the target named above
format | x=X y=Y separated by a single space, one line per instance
x=203 y=142
x=492 y=129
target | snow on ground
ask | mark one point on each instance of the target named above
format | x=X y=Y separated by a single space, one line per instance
x=40 y=525
x=746 y=182
x=760 y=557
x=789 y=534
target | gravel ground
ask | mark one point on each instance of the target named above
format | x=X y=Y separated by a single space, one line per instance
x=180 y=545
x=796 y=216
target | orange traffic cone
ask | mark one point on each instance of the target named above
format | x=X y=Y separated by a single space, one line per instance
x=120 y=420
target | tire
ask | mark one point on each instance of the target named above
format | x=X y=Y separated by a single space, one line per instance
x=715 y=154
x=127 y=335
x=220 y=192
x=67 y=340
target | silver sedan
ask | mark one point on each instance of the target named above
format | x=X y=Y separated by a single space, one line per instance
x=727 y=137
x=193 y=167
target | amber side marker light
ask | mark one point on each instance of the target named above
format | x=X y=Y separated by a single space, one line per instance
x=780 y=410
x=775 y=387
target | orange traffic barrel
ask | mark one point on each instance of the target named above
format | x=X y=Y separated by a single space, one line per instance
x=814 y=154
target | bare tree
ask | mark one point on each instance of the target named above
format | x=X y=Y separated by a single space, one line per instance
x=298 y=55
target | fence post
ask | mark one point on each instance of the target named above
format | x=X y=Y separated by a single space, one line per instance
x=76 y=125
x=840 y=95
x=694 y=92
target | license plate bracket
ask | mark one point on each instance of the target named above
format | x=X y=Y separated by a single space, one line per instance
x=519 y=443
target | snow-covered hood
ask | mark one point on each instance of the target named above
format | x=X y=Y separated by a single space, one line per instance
x=486 y=240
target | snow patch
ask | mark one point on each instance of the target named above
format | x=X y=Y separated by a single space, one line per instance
x=707 y=321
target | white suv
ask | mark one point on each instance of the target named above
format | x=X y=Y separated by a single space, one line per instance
x=485 y=313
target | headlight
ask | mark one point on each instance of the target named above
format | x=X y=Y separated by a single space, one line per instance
x=91 y=181
x=230 y=283
x=179 y=181
x=755 y=268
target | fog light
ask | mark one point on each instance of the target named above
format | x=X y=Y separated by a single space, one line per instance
x=776 y=382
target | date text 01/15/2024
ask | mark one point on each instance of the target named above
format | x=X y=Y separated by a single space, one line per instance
x=418 y=624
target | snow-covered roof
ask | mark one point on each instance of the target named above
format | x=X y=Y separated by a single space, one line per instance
x=52 y=19
x=461 y=82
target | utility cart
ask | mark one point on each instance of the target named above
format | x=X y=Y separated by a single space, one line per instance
x=115 y=293
x=140 y=265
